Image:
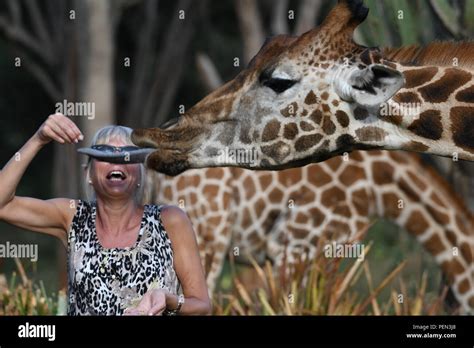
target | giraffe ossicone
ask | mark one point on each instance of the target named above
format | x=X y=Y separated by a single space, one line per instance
x=308 y=98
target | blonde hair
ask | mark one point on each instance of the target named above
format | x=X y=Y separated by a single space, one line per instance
x=104 y=136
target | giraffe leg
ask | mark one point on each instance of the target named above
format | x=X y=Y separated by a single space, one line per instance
x=296 y=233
x=215 y=258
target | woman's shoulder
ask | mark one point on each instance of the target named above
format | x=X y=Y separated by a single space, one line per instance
x=178 y=226
x=172 y=214
x=173 y=218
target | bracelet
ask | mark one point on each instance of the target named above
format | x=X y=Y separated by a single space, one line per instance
x=177 y=309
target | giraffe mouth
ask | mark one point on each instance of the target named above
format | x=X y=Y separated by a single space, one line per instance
x=171 y=152
x=168 y=162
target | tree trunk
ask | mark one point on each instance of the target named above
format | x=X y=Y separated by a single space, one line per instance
x=88 y=77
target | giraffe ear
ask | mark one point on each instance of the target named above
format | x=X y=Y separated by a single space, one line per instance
x=374 y=85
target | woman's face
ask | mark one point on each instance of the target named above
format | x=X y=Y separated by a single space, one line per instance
x=115 y=181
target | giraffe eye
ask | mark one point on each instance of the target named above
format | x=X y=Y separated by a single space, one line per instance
x=277 y=84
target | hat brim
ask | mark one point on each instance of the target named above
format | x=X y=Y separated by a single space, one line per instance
x=128 y=157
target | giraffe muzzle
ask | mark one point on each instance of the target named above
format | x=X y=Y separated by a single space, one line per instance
x=172 y=148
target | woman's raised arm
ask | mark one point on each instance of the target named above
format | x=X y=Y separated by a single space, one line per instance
x=47 y=216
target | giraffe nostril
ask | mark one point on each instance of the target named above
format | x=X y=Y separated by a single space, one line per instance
x=170 y=123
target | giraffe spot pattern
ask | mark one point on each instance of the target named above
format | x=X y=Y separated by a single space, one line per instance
x=428 y=125
x=289 y=178
x=342 y=210
x=415 y=146
x=332 y=196
x=290 y=131
x=311 y=98
x=417 y=181
x=345 y=142
x=318 y=177
x=306 y=142
x=271 y=217
x=463 y=286
x=316 y=116
x=244 y=135
x=406 y=188
x=462 y=127
x=440 y=90
x=461 y=223
x=250 y=188
x=434 y=245
x=466 y=252
x=371 y=133
x=351 y=175
x=265 y=181
x=382 y=173
x=306 y=126
x=317 y=216
x=328 y=126
x=360 y=113
x=276 y=151
x=438 y=216
x=298 y=233
x=454 y=267
x=342 y=118
x=271 y=130
x=407 y=97
x=418 y=77
x=416 y=223
x=390 y=202
x=466 y=95
x=334 y=163
x=451 y=237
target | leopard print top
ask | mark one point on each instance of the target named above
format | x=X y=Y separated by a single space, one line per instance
x=106 y=281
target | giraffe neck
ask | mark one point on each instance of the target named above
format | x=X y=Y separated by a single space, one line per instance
x=423 y=204
x=433 y=113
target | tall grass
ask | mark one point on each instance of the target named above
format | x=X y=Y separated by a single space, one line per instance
x=323 y=286
x=19 y=295
x=318 y=286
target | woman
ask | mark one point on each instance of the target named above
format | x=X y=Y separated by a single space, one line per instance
x=123 y=257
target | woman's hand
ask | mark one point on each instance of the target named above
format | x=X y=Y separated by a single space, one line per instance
x=59 y=128
x=152 y=303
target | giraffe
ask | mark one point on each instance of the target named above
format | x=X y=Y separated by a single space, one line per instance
x=308 y=98
x=282 y=215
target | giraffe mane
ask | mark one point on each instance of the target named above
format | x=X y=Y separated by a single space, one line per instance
x=441 y=53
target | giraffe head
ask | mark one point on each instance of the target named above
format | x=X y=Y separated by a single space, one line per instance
x=291 y=106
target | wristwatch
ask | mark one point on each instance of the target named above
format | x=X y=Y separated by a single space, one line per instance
x=177 y=309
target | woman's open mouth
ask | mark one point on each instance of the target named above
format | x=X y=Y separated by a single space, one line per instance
x=116 y=175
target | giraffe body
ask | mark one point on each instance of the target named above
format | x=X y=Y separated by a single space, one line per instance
x=267 y=214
